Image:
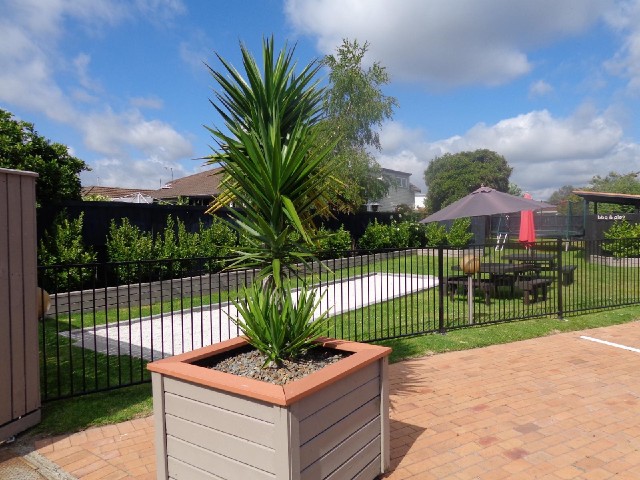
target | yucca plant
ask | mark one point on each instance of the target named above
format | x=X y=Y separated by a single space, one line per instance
x=278 y=180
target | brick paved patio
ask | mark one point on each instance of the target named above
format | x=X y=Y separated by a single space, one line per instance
x=558 y=407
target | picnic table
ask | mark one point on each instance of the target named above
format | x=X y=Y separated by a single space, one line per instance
x=499 y=275
x=540 y=260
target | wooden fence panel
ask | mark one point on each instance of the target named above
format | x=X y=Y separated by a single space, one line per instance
x=19 y=358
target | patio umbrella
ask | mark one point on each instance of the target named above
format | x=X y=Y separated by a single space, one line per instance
x=527 y=235
x=484 y=201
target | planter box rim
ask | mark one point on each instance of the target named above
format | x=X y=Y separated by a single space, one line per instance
x=182 y=367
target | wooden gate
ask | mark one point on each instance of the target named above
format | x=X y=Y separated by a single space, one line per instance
x=19 y=367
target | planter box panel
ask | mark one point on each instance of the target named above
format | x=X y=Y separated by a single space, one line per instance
x=367 y=457
x=211 y=462
x=347 y=415
x=235 y=448
x=327 y=454
x=311 y=404
x=182 y=471
x=234 y=403
x=372 y=470
x=217 y=419
x=338 y=411
x=330 y=424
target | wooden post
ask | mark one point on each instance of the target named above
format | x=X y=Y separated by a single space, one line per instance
x=19 y=355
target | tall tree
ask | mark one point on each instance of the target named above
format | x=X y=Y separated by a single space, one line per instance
x=626 y=183
x=566 y=201
x=275 y=169
x=355 y=107
x=614 y=182
x=22 y=148
x=454 y=175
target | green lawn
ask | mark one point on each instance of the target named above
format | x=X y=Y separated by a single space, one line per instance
x=69 y=369
x=70 y=415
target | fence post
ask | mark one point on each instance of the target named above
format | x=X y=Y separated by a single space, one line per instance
x=441 y=287
x=559 y=278
x=19 y=361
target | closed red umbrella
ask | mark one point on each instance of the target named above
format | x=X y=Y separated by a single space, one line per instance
x=527 y=235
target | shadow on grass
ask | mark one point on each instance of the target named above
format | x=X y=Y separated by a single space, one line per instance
x=79 y=413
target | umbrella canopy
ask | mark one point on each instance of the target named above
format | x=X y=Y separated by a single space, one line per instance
x=527 y=235
x=484 y=201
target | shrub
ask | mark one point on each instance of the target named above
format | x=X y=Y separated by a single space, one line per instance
x=127 y=243
x=407 y=234
x=65 y=247
x=333 y=244
x=375 y=237
x=216 y=242
x=622 y=239
x=400 y=234
x=417 y=235
x=459 y=235
x=279 y=323
x=181 y=250
x=436 y=234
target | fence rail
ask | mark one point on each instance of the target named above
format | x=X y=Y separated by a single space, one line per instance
x=100 y=337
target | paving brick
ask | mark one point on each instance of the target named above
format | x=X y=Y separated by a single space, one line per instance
x=556 y=407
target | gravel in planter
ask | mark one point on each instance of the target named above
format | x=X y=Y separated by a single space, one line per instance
x=248 y=363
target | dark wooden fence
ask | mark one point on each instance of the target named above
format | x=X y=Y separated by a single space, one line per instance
x=19 y=357
x=153 y=218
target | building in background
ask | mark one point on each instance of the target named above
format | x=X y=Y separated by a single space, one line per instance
x=401 y=192
x=197 y=189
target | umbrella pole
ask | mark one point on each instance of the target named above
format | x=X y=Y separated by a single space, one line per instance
x=470 y=298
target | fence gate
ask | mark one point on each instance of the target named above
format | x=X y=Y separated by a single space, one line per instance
x=19 y=367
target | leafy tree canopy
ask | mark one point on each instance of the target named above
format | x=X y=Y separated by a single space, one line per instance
x=616 y=183
x=566 y=201
x=515 y=190
x=454 y=175
x=22 y=148
x=274 y=167
x=355 y=107
x=569 y=203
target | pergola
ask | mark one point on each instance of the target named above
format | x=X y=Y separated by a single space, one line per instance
x=604 y=197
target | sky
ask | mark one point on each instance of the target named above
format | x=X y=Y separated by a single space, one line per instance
x=553 y=86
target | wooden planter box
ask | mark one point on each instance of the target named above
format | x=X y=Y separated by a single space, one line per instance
x=333 y=423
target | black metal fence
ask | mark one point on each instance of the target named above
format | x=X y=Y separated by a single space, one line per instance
x=106 y=321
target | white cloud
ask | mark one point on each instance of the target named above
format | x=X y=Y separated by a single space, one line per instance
x=33 y=66
x=626 y=62
x=117 y=134
x=152 y=102
x=545 y=152
x=81 y=64
x=195 y=50
x=143 y=173
x=447 y=43
x=539 y=88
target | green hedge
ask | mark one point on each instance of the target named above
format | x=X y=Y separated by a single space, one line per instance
x=63 y=246
x=624 y=239
x=378 y=236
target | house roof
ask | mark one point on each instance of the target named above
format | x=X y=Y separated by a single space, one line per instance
x=396 y=172
x=203 y=184
x=113 y=192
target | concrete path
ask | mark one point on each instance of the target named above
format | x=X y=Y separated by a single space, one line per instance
x=165 y=334
x=558 y=407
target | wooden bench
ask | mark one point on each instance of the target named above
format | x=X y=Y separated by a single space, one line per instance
x=567 y=274
x=530 y=289
x=460 y=283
